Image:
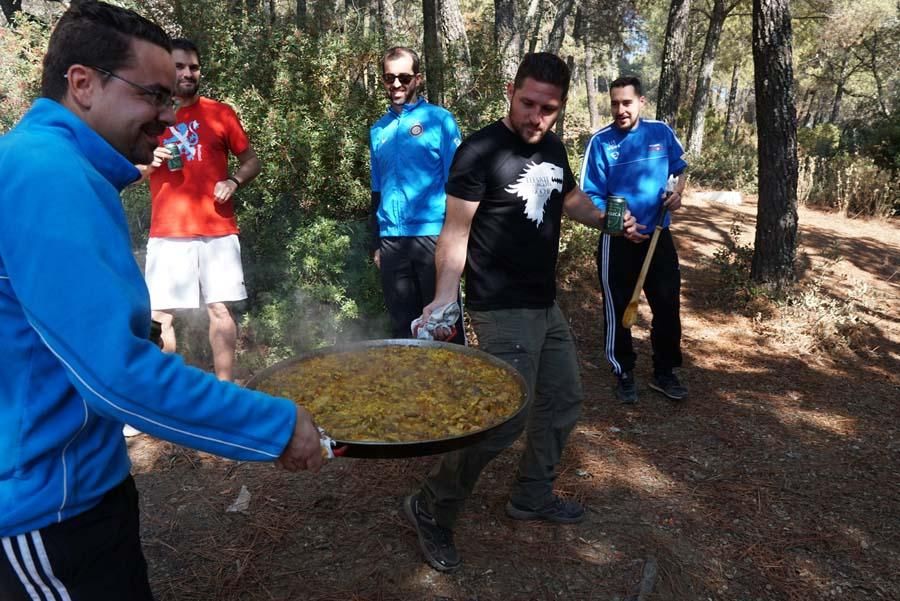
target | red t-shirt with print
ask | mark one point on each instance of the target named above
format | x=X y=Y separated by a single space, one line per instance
x=183 y=205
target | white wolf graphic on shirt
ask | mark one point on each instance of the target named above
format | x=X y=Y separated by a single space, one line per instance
x=535 y=185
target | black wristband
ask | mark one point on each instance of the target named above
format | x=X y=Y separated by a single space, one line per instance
x=235 y=180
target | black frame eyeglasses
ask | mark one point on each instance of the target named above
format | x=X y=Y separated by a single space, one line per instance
x=405 y=78
x=160 y=99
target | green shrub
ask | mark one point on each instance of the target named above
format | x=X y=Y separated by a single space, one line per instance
x=820 y=141
x=877 y=138
x=851 y=184
x=22 y=48
x=329 y=290
x=735 y=289
x=726 y=166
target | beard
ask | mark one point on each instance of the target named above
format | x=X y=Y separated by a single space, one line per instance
x=187 y=88
x=407 y=96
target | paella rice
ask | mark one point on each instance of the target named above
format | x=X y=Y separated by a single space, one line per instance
x=398 y=394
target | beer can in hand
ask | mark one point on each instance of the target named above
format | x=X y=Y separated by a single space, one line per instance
x=175 y=162
x=615 y=216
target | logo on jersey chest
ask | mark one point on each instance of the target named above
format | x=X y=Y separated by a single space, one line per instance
x=535 y=185
x=187 y=138
x=611 y=149
x=416 y=130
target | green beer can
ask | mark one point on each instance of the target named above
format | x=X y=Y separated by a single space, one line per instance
x=615 y=216
x=175 y=163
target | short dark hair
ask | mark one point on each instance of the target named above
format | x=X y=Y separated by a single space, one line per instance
x=397 y=52
x=94 y=34
x=186 y=45
x=546 y=68
x=625 y=81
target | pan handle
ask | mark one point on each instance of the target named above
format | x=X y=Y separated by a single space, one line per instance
x=338 y=451
x=329 y=447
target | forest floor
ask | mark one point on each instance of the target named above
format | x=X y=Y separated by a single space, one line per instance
x=777 y=479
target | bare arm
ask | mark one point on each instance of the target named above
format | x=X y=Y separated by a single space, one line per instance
x=450 y=255
x=249 y=168
x=579 y=207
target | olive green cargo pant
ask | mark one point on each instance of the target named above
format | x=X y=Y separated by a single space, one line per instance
x=537 y=343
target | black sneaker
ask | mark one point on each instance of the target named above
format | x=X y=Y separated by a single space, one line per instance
x=435 y=541
x=668 y=384
x=559 y=510
x=626 y=389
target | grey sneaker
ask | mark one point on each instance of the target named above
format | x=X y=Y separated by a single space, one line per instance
x=558 y=510
x=668 y=384
x=626 y=389
x=435 y=541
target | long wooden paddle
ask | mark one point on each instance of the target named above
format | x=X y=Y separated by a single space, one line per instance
x=630 y=315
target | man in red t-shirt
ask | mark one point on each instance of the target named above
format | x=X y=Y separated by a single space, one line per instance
x=193 y=248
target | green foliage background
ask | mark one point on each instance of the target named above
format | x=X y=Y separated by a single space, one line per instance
x=307 y=96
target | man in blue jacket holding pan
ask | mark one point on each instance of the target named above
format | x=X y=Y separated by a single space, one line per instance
x=75 y=317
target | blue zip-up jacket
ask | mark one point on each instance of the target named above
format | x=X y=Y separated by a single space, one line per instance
x=635 y=165
x=74 y=321
x=411 y=153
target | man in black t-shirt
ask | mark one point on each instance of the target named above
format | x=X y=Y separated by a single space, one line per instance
x=509 y=185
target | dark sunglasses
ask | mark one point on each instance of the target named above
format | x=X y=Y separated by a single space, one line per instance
x=405 y=78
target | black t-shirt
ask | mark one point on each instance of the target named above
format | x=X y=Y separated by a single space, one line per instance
x=514 y=241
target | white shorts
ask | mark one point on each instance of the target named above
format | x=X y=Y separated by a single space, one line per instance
x=179 y=270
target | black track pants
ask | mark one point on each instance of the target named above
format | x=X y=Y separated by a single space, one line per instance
x=619 y=263
x=408 y=281
x=94 y=556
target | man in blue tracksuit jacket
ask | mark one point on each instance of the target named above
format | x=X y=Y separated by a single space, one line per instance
x=633 y=158
x=411 y=148
x=74 y=321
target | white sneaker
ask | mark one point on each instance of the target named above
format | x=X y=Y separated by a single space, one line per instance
x=128 y=431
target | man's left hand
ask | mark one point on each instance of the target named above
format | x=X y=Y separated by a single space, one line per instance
x=224 y=190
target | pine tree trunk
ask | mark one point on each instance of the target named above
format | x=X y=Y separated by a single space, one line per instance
x=386 y=19
x=839 y=91
x=871 y=46
x=301 y=14
x=580 y=34
x=533 y=25
x=811 y=111
x=561 y=121
x=672 y=61
x=560 y=22
x=732 y=101
x=704 y=79
x=776 y=220
x=507 y=37
x=590 y=81
x=455 y=47
x=434 y=61
x=10 y=8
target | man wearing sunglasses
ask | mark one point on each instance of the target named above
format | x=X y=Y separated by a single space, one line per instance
x=193 y=249
x=411 y=148
x=75 y=318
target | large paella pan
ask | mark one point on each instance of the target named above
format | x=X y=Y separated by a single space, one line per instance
x=399 y=398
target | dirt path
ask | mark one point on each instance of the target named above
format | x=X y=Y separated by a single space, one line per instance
x=777 y=480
